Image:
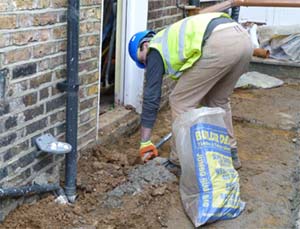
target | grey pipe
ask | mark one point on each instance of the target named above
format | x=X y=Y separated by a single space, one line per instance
x=29 y=190
x=72 y=87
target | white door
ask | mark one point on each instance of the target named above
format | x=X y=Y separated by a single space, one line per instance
x=132 y=18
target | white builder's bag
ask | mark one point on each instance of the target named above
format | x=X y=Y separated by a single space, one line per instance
x=209 y=185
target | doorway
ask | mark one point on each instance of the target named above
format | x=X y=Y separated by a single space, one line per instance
x=108 y=56
x=121 y=81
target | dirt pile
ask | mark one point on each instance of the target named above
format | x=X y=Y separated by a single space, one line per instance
x=113 y=192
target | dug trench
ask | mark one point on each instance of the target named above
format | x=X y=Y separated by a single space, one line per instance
x=116 y=192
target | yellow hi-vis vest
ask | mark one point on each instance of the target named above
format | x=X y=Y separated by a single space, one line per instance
x=180 y=44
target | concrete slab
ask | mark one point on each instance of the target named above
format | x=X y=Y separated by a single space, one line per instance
x=276 y=68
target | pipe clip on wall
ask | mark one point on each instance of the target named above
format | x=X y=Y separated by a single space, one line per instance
x=64 y=86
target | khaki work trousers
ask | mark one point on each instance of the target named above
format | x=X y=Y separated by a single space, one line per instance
x=210 y=82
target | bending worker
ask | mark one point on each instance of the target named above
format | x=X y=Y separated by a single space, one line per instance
x=206 y=54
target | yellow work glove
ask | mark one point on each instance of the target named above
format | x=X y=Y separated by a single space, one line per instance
x=148 y=151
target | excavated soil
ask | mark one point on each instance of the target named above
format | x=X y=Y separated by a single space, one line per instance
x=267 y=128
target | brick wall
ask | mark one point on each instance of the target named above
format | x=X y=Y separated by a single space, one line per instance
x=161 y=14
x=32 y=62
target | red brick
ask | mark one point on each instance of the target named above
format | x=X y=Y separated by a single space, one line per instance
x=88 y=54
x=82 y=41
x=89 y=78
x=22 y=38
x=25 y=20
x=93 y=13
x=90 y=2
x=43 y=65
x=60 y=32
x=8 y=21
x=30 y=99
x=57 y=61
x=44 y=93
x=43 y=50
x=44 y=35
x=59 y=3
x=61 y=46
x=37 y=81
x=26 y=4
x=6 y=6
x=44 y=4
x=17 y=55
x=88 y=66
x=92 y=90
x=60 y=73
x=93 y=40
x=89 y=27
x=4 y=40
x=45 y=19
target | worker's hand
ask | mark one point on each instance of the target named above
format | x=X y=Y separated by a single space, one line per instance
x=148 y=151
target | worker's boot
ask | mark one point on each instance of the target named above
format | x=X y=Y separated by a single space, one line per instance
x=172 y=167
x=235 y=159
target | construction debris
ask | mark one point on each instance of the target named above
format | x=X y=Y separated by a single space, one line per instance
x=258 y=80
x=282 y=41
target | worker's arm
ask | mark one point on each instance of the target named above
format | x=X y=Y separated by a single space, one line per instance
x=151 y=101
x=152 y=93
x=145 y=133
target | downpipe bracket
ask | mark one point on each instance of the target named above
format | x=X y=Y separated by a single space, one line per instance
x=64 y=86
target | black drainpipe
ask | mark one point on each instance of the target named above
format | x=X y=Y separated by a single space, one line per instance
x=72 y=98
x=182 y=8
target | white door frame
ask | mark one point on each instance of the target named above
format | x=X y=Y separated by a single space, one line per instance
x=132 y=17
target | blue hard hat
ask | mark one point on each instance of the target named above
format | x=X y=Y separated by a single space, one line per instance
x=134 y=44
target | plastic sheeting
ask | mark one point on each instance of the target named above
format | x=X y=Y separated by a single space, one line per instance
x=282 y=41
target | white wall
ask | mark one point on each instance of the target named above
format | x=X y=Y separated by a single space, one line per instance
x=271 y=15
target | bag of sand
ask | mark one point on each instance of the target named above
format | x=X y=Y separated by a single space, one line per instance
x=209 y=185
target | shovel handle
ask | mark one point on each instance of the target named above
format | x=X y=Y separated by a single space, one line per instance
x=163 y=140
